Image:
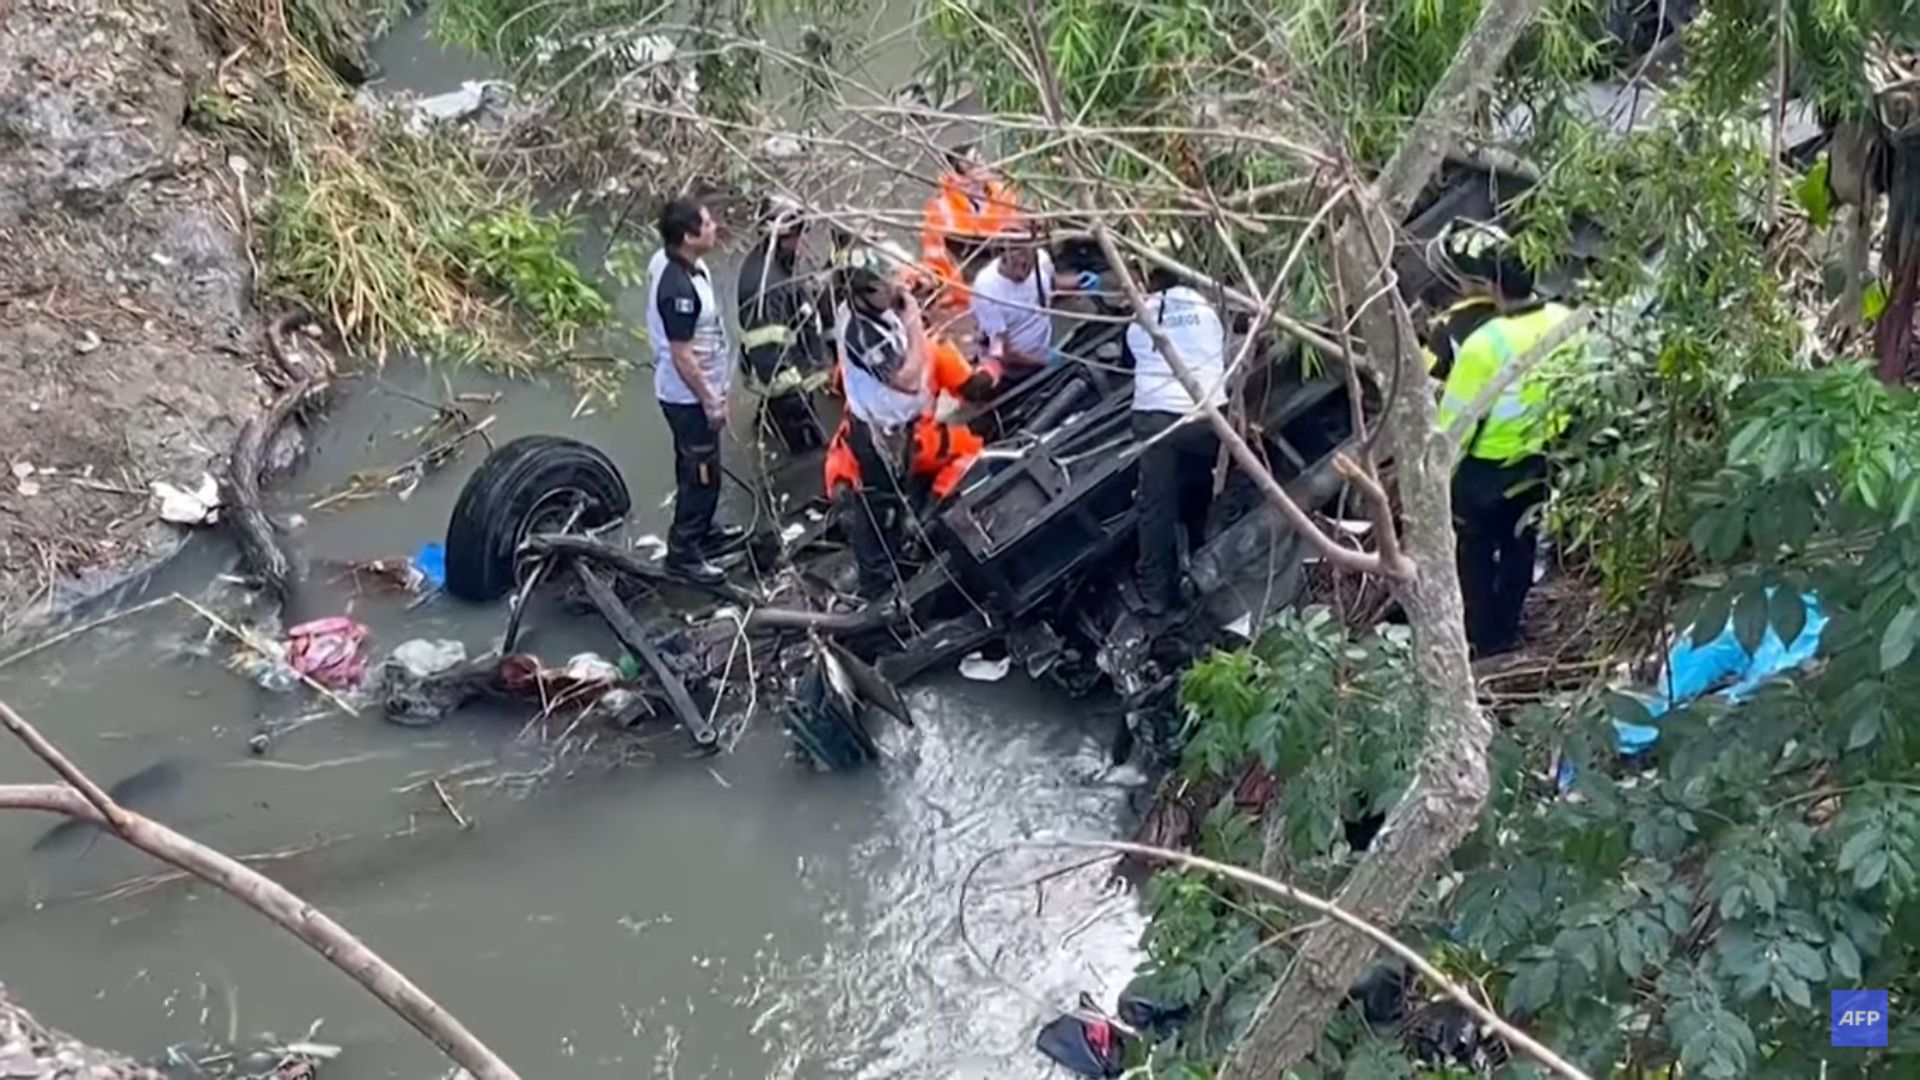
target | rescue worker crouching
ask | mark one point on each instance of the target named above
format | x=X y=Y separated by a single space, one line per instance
x=890 y=443
x=1175 y=482
x=1501 y=476
x=1013 y=300
x=780 y=339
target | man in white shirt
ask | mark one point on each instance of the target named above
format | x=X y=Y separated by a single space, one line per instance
x=1176 y=468
x=884 y=369
x=691 y=375
x=1012 y=302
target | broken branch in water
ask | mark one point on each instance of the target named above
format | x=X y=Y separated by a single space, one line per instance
x=80 y=797
x=260 y=552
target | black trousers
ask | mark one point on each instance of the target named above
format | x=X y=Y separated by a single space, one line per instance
x=696 y=478
x=874 y=516
x=1498 y=540
x=1175 y=491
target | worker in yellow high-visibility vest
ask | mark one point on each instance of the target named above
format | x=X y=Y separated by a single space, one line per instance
x=1502 y=473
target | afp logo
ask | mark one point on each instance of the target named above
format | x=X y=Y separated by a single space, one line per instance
x=1859 y=1018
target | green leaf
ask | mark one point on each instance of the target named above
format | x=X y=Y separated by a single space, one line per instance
x=1804 y=960
x=1712 y=618
x=1814 y=194
x=1866 y=728
x=1750 y=618
x=1795 y=990
x=1788 y=614
x=1873 y=302
x=1897 y=643
x=1846 y=957
x=1533 y=986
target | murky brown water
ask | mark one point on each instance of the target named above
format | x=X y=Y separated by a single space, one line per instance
x=731 y=917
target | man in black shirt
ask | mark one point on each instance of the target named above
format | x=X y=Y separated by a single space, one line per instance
x=692 y=370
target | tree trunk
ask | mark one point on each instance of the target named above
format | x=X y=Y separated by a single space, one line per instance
x=1443 y=802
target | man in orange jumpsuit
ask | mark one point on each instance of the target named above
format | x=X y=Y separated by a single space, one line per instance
x=961 y=220
x=890 y=439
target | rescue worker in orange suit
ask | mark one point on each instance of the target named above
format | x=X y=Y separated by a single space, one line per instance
x=891 y=442
x=961 y=220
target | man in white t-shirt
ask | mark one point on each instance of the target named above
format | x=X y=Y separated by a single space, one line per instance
x=692 y=372
x=1012 y=307
x=1176 y=470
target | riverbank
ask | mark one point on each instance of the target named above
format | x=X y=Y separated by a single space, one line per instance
x=126 y=310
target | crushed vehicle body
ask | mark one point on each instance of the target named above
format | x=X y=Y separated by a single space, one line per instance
x=1033 y=553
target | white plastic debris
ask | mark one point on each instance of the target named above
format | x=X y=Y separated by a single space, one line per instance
x=23 y=479
x=980 y=669
x=422 y=658
x=1353 y=528
x=592 y=668
x=1241 y=627
x=201 y=506
x=650 y=545
x=792 y=532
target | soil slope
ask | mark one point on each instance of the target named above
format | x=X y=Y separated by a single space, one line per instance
x=126 y=321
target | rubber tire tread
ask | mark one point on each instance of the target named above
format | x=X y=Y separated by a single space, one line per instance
x=485 y=526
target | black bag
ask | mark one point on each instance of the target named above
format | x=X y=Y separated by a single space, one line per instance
x=1083 y=1045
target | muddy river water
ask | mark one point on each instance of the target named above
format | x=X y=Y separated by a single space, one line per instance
x=734 y=916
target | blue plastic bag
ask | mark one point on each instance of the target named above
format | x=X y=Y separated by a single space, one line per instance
x=1691 y=670
x=431 y=561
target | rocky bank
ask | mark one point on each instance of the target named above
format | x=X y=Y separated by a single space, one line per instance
x=127 y=327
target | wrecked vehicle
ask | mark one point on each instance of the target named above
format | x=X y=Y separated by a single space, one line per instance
x=1032 y=553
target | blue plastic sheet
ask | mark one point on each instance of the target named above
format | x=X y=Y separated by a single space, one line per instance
x=1692 y=670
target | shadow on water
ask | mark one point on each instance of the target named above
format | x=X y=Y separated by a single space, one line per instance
x=737 y=916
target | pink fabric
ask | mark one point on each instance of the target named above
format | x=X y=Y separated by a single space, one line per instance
x=330 y=651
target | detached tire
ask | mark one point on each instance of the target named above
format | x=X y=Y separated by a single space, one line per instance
x=529 y=483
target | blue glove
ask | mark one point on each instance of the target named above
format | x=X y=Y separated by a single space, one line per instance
x=1086 y=281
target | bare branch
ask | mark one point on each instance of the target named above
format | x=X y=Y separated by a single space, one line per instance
x=1346 y=558
x=1452 y=101
x=1512 y=1035
x=84 y=800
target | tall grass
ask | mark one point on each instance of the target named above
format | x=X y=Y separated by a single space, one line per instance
x=406 y=240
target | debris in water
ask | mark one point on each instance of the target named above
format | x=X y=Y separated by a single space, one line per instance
x=591 y=668
x=431 y=561
x=650 y=545
x=421 y=658
x=398 y=575
x=200 y=506
x=980 y=669
x=330 y=651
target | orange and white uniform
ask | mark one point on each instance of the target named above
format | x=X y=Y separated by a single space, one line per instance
x=955 y=214
x=937 y=451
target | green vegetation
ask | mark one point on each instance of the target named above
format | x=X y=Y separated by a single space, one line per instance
x=1681 y=917
x=407 y=240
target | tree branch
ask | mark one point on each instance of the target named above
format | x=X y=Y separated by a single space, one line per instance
x=1346 y=558
x=1452 y=101
x=1512 y=1035
x=1450 y=783
x=81 y=798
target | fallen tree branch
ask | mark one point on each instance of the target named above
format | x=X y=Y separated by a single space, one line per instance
x=81 y=798
x=261 y=557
